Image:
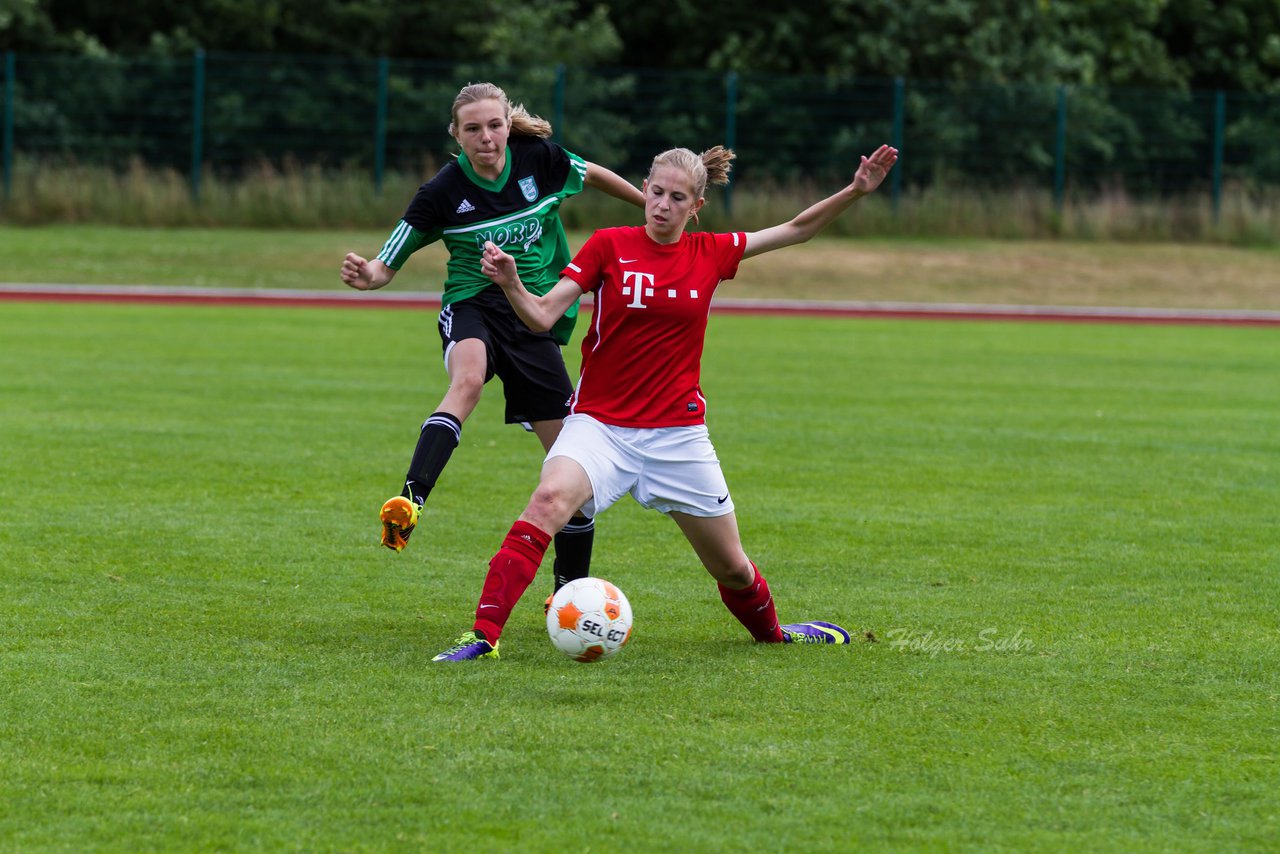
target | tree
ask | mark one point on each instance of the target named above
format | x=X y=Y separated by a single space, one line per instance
x=540 y=32
x=1165 y=44
x=1231 y=45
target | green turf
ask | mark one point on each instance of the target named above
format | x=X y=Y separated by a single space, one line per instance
x=197 y=257
x=1062 y=538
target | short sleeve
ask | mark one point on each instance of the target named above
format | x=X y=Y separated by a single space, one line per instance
x=587 y=268
x=568 y=171
x=728 y=252
x=422 y=212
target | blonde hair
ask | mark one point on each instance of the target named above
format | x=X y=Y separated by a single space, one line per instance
x=710 y=167
x=522 y=124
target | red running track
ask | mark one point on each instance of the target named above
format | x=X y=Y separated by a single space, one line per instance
x=431 y=302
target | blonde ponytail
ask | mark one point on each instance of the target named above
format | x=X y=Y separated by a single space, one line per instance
x=523 y=124
x=710 y=167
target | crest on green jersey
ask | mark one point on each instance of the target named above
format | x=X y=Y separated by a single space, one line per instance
x=529 y=187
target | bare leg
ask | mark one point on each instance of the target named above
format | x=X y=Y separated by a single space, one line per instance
x=742 y=588
x=442 y=431
x=719 y=547
x=468 y=362
x=574 y=541
x=563 y=489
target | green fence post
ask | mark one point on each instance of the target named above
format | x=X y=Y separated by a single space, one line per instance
x=197 y=123
x=557 y=106
x=1219 y=146
x=380 y=125
x=1060 y=152
x=899 y=131
x=730 y=130
x=10 y=92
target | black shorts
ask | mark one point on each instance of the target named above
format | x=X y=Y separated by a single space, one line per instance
x=530 y=365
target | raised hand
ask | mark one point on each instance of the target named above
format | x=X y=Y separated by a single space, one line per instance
x=871 y=170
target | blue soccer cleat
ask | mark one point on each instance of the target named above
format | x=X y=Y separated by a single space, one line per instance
x=814 y=631
x=467 y=648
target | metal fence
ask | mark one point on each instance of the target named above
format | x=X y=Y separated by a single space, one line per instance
x=225 y=113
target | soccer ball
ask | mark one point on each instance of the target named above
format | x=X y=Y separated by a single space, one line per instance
x=589 y=619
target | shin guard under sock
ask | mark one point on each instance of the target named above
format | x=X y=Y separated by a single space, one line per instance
x=440 y=435
x=753 y=606
x=510 y=572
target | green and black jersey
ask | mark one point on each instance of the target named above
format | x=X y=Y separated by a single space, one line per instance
x=519 y=212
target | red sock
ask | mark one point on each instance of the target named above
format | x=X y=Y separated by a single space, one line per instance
x=510 y=573
x=753 y=606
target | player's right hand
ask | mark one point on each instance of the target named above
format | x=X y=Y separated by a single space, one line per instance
x=355 y=272
x=498 y=265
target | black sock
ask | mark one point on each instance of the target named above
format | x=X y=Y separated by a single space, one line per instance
x=440 y=435
x=573 y=550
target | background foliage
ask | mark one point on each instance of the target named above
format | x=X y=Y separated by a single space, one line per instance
x=1165 y=44
x=1171 y=103
x=234 y=111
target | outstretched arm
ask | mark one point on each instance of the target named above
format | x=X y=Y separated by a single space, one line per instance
x=871 y=172
x=538 y=313
x=600 y=178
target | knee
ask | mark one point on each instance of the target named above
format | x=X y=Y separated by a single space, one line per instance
x=467 y=385
x=549 y=508
x=736 y=573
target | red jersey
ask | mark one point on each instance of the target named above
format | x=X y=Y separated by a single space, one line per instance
x=642 y=358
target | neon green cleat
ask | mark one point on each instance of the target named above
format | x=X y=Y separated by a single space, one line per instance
x=469 y=647
x=399 y=517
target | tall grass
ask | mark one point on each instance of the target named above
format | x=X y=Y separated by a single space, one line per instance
x=266 y=196
x=1246 y=218
x=299 y=196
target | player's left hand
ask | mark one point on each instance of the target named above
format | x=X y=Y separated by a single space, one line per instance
x=871 y=170
x=498 y=265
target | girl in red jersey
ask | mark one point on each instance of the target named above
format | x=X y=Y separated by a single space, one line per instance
x=637 y=419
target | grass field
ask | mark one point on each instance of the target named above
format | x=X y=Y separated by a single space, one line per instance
x=1057 y=544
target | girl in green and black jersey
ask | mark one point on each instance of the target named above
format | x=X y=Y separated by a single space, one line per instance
x=505 y=188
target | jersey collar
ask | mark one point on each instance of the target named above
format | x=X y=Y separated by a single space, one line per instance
x=484 y=183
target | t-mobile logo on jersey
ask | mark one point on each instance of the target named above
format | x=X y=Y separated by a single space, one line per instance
x=636 y=285
x=639 y=286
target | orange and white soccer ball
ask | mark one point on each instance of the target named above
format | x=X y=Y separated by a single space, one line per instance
x=589 y=619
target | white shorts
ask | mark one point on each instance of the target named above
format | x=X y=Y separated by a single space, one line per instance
x=668 y=469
